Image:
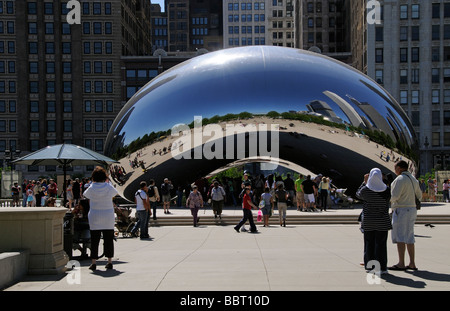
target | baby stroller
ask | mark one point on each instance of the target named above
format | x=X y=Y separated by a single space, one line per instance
x=124 y=222
x=342 y=199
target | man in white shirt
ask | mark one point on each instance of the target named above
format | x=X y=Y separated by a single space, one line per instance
x=142 y=211
x=404 y=189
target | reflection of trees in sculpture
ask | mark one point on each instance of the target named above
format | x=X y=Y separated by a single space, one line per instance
x=377 y=136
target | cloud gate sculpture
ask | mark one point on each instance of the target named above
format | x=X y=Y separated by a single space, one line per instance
x=298 y=109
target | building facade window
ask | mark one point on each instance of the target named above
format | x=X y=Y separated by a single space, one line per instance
x=403 y=11
x=436 y=139
x=404 y=76
x=378 y=55
x=415 y=11
x=403 y=97
x=435 y=97
x=403 y=55
x=436 y=118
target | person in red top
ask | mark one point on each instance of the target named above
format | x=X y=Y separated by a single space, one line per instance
x=247 y=209
x=52 y=189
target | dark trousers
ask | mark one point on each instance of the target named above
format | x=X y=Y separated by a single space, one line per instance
x=247 y=216
x=108 y=243
x=154 y=205
x=194 y=213
x=324 y=198
x=375 y=248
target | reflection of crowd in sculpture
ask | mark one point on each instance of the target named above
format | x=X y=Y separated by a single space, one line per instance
x=163 y=150
x=117 y=173
x=136 y=163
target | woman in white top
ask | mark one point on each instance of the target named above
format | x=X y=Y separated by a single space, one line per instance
x=101 y=215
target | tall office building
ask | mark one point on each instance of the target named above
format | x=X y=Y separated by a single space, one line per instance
x=281 y=23
x=194 y=24
x=159 y=34
x=408 y=53
x=326 y=28
x=258 y=22
x=358 y=34
x=60 y=82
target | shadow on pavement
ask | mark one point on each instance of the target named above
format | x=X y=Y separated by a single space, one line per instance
x=397 y=280
x=431 y=276
x=423 y=274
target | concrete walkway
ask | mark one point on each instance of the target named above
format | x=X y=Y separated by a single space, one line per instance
x=294 y=258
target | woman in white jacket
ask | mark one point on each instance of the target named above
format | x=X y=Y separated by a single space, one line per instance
x=101 y=215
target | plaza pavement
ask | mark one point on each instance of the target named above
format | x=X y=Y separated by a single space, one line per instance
x=293 y=258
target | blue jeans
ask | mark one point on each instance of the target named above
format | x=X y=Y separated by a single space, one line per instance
x=445 y=195
x=141 y=223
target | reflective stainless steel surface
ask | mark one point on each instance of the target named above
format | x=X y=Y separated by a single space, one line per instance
x=304 y=110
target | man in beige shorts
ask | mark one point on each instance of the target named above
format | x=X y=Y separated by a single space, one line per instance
x=404 y=189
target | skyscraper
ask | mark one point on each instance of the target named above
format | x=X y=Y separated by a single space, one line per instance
x=60 y=82
x=326 y=28
x=408 y=53
x=194 y=24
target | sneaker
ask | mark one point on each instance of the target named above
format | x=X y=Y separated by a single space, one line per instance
x=93 y=267
x=109 y=266
x=237 y=230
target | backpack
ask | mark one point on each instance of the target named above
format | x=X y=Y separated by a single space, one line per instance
x=151 y=191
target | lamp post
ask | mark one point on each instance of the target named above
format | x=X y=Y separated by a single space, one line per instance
x=426 y=144
x=9 y=157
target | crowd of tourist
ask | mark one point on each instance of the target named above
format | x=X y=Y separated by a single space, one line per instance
x=43 y=192
x=265 y=192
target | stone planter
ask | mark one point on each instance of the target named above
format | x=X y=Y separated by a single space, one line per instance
x=39 y=230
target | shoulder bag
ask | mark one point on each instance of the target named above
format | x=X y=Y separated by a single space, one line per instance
x=418 y=203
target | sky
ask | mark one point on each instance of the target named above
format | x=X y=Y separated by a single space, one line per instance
x=160 y=2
